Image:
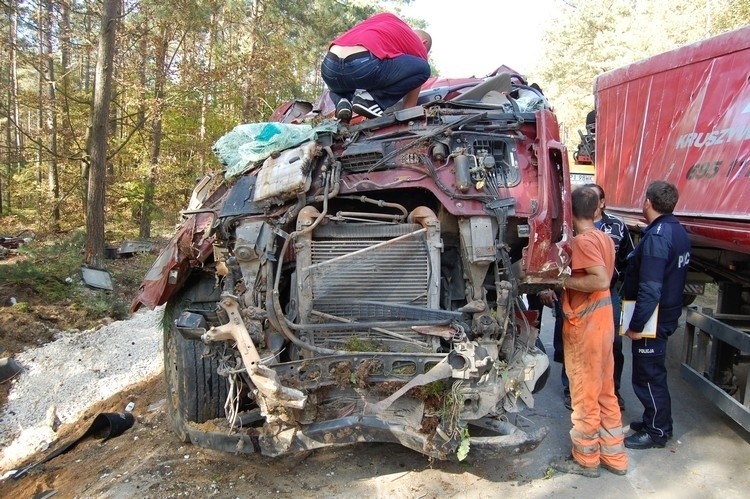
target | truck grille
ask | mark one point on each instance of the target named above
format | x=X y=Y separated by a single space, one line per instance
x=355 y=267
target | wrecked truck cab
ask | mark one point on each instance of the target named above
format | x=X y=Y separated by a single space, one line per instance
x=361 y=282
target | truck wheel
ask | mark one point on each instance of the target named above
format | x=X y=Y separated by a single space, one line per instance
x=195 y=391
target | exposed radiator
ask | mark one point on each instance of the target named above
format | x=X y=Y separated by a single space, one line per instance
x=351 y=264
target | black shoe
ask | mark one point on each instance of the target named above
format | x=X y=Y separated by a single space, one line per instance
x=641 y=426
x=344 y=110
x=637 y=426
x=366 y=107
x=567 y=401
x=642 y=440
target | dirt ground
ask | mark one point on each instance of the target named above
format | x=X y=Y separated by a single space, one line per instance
x=149 y=461
x=38 y=321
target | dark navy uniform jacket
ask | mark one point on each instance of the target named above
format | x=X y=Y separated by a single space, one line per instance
x=656 y=273
x=615 y=228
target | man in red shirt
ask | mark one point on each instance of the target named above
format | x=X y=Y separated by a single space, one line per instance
x=588 y=333
x=374 y=65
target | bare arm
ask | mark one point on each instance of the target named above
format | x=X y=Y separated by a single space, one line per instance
x=596 y=279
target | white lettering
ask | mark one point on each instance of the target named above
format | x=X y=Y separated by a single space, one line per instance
x=723 y=136
x=713 y=138
x=684 y=141
x=645 y=350
x=683 y=260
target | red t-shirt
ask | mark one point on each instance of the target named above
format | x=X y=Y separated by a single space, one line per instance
x=591 y=249
x=385 y=36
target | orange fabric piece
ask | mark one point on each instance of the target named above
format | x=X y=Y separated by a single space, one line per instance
x=590 y=249
x=588 y=333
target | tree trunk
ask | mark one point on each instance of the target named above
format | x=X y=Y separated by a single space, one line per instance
x=15 y=145
x=156 y=134
x=50 y=118
x=86 y=66
x=206 y=83
x=67 y=136
x=94 y=252
x=254 y=20
x=42 y=33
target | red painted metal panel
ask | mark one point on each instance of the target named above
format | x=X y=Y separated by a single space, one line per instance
x=684 y=117
x=551 y=226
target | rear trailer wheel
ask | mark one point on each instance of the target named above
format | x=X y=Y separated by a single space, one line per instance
x=195 y=391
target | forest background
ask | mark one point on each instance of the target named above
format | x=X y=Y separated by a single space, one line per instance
x=109 y=108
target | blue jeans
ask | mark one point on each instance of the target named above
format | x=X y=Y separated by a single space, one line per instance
x=387 y=80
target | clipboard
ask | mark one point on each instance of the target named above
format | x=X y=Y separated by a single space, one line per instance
x=649 y=330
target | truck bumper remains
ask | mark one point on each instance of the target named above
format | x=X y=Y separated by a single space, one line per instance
x=369 y=429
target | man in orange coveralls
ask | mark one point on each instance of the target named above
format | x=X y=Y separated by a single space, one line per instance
x=588 y=332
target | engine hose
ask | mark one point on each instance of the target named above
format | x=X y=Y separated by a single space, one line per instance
x=273 y=303
x=273 y=307
x=380 y=203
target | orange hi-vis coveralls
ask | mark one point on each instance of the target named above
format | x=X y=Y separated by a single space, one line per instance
x=588 y=333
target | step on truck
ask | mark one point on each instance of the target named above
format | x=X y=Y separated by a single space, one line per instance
x=355 y=282
x=684 y=116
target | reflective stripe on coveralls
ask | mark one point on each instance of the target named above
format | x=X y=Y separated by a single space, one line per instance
x=588 y=333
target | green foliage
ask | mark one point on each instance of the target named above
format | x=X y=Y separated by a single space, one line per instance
x=465 y=445
x=49 y=272
x=590 y=37
x=227 y=62
x=437 y=388
x=22 y=307
x=356 y=344
x=47 y=265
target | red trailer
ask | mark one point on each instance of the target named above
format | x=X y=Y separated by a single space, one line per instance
x=684 y=116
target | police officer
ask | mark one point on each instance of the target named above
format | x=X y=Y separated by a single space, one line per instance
x=656 y=274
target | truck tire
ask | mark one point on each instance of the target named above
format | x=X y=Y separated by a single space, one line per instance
x=195 y=391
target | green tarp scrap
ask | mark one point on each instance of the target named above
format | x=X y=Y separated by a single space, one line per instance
x=240 y=149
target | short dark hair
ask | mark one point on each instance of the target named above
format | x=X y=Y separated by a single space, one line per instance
x=584 y=202
x=663 y=196
x=598 y=188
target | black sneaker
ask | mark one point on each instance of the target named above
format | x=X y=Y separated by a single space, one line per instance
x=366 y=107
x=642 y=440
x=638 y=426
x=344 y=110
x=567 y=402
